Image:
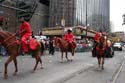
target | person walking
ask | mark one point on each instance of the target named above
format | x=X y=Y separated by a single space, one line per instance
x=51 y=46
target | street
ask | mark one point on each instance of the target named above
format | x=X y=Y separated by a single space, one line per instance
x=84 y=69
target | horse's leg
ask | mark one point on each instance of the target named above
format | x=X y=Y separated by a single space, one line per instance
x=67 y=56
x=6 y=64
x=37 y=60
x=72 y=52
x=40 y=60
x=62 y=56
x=103 y=59
x=99 y=61
x=16 y=68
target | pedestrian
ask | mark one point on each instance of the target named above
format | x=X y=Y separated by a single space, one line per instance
x=25 y=32
x=51 y=46
x=33 y=35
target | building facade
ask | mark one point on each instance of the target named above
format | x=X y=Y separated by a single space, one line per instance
x=38 y=19
x=9 y=21
x=94 y=13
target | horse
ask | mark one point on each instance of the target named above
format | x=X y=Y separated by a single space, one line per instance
x=12 y=46
x=100 y=51
x=64 y=47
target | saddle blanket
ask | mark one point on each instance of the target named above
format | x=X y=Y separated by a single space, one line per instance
x=33 y=44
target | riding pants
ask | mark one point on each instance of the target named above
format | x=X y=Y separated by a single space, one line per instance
x=24 y=42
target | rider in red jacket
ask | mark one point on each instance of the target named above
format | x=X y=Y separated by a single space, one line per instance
x=97 y=36
x=69 y=37
x=25 y=31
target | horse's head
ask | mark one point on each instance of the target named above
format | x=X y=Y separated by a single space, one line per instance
x=102 y=41
x=56 y=41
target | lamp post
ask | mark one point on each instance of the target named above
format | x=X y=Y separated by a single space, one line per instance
x=123 y=24
x=123 y=19
x=86 y=21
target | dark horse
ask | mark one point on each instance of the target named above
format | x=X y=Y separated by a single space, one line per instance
x=100 y=51
x=12 y=46
x=64 y=47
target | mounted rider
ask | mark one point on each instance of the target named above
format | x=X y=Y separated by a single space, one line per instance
x=69 y=37
x=97 y=40
x=25 y=32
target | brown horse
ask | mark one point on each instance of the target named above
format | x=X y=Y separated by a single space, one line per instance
x=100 y=51
x=64 y=47
x=12 y=46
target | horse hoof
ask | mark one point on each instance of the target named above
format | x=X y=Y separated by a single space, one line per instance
x=5 y=76
x=102 y=68
x=15 y=73
x=42 y=67
x=33 y=71
x=71 y=60
x=68 y=60
x=61 y=61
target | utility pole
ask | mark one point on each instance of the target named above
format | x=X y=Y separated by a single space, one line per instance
x=86 y=21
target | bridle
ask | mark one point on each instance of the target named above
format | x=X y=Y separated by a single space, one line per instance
x=8 y=38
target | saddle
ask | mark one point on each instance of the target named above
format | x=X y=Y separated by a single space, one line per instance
x=33 y=44
x=71 y=46
x=99 y=50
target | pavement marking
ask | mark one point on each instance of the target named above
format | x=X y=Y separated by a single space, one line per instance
x=89 y=64
x=115 y=77
x=76 y=73
x=50 y=61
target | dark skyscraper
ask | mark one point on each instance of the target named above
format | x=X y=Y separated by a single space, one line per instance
x=73 y=12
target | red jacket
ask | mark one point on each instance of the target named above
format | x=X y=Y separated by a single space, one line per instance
x=97 y=36
x=25 y=26
x=68 y=37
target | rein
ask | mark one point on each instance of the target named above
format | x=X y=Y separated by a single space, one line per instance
x=8 y=38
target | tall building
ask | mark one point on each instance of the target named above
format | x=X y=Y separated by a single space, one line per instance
x=80 y=12
x=38 y=15
x=61 y=12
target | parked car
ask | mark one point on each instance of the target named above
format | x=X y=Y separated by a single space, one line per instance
x=117 y=46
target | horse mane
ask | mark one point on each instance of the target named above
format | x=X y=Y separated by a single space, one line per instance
x=102 y=42
x=7 y=38
x=61 y=40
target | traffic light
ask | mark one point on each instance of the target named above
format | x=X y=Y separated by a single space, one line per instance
x=123 y=19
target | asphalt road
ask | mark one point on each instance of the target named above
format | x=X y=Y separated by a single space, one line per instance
x=83 y=69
